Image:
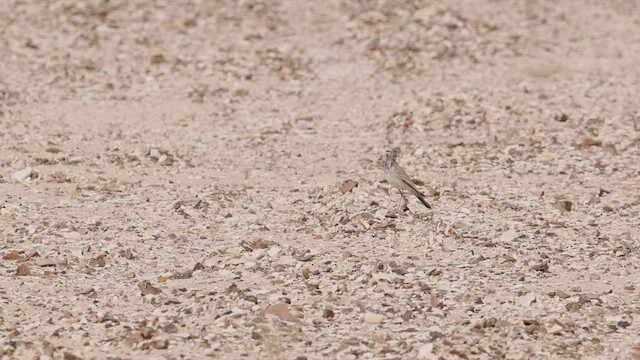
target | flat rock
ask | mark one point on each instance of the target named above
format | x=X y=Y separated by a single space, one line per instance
x=372 y=318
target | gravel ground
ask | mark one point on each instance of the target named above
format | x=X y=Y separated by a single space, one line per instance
x=195 y=178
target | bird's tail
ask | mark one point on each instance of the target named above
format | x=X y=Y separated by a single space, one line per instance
x=423 y=201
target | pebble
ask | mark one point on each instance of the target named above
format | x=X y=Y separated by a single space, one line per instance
x=371 y=318
x=22 y=175
x=274 y=251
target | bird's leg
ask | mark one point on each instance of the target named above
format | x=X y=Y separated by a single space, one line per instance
x=402 y=204
x=405 y=202
x=399 y=204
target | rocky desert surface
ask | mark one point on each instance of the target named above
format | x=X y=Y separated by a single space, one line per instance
x=203 y=179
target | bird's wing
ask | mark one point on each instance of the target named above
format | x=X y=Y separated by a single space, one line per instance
x=412 y=186
x=407 y=180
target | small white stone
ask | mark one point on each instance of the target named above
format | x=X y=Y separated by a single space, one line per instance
x=555 y=329
x=274 y=251
x=526 y=300
x=22 y=175
x=371 y=318
x=426 y=352
x=258 y=254
x=508 y=236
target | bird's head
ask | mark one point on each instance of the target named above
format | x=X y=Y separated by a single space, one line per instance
x=391 y=154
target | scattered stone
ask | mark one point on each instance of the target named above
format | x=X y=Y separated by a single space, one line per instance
x=234 y=289
x=88 y=292
x=98 y=261
x=70 y=356
x=347 y=186
x=251 y=298
x=489 y=323
x=306 y=272
x=280 y=310
x=399 y=270
x=434 y=272
x=544 y=267
x=157 y=59
x=170 y=328
x=12 y=255
x=623 y=324
x=274 y=251
x=22 y=175
x=256 y=244
x=527 y=299
x=147 y=289
x=127 y=254
x=371 y=318
x=573 y=306
x=303 y=255
x=147 y=332
x=23 y=270
x=102 y=317
x=508 y=236
x=555 y=329
x=564 y=205
x=187 y=274
x=561 y=117
x=425 y=352
x=589 y=141
x=328 y=313
x=183 y=335
x=160 y=344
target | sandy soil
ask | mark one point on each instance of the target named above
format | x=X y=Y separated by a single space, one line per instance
x=201 y=178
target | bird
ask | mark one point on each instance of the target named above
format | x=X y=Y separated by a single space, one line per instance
x=398 y=178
